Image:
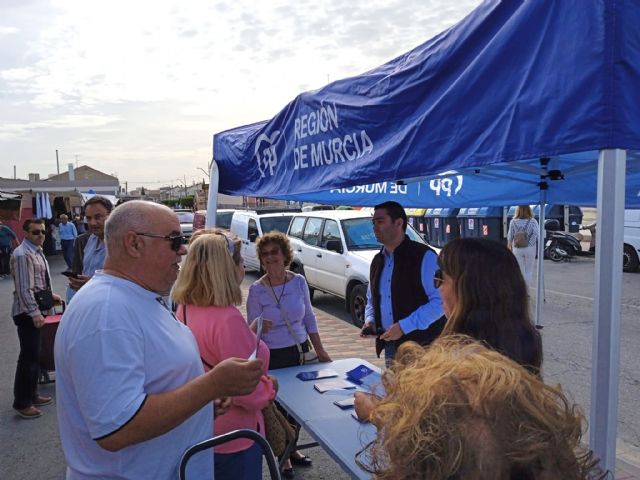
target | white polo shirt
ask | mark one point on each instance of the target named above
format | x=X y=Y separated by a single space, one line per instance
x=116 y=344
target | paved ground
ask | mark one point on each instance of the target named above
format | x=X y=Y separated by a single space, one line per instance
x=31 y=449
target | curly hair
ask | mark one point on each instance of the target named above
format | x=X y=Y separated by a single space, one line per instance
x=492 y=304
x=459 y=410
x=276 y=238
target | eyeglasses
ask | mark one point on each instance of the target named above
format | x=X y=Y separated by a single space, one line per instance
x=176 y=240
x=37 y=232
x=437 y=278
x=273 y=251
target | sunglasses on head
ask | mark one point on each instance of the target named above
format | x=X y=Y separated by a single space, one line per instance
x=37 y=232
x=230 y=245
x=176 y=240
x=437 y=278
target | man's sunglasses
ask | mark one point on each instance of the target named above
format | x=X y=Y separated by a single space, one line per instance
x=176 y=240
x=37 y=232
x=437 y=278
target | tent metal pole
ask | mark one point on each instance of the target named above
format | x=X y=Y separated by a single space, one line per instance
x=606 y=307
x=540 y=279
x=212 y=199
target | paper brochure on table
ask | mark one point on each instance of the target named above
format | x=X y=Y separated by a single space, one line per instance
x=367 y=380
x=316 y=374
x=334 y=386
x=258 y=337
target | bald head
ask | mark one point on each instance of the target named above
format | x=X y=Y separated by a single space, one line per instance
x=138 y=236
x=136 y=216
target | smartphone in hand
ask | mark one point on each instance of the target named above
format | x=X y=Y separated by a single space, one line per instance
x=70 y=274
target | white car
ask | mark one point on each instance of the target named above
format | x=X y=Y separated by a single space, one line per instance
x=186 y=222
x=333 y=249
x=249 y=225
x=631 y=255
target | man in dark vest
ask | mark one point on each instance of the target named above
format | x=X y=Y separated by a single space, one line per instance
x=402 y=302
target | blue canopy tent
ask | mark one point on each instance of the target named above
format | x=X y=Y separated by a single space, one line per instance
x=569 y=179
x=511 y=84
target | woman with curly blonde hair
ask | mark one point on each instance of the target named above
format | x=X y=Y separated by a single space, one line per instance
x=459 y=410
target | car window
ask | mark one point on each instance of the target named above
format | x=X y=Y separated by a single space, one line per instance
x=223 y=220
x=329 y=232
x=297 y=224
x=281 y=224
x=185 y=217
x=358 y=234
x=253 y=230
x=312 y=231
x=414 y=235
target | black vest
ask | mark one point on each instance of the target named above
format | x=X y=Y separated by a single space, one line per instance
x=407 y=291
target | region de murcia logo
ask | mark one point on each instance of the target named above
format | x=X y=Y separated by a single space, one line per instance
x=265 y=153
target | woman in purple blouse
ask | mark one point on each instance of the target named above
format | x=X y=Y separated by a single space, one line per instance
x=282 y=298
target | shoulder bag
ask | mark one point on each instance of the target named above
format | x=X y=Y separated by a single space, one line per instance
x=277 y=430
x=44 y=298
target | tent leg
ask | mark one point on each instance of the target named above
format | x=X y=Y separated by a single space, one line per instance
x=606 y=308
x=212 y=199
x=540 y=283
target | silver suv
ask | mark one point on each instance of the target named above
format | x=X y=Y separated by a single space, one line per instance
x=333 y=249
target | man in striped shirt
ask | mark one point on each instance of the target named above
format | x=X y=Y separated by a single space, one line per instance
x=30 y=272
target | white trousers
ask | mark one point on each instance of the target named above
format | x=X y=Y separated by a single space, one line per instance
x=526 y=260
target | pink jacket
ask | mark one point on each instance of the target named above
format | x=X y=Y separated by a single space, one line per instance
x=222 y=332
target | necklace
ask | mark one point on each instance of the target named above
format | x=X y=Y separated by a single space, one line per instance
x=284 y=285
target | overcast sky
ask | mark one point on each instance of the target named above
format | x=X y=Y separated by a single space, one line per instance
x=137 y=88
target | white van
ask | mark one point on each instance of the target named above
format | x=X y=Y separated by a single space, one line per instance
x=249 y=225
x=333 y=249
x=631 y=254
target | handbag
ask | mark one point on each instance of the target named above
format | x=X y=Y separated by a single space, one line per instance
x=44 y=299
x=310 y=356
x=277 y=430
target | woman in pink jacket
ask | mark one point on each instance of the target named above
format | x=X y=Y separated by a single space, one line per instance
x=207 y=290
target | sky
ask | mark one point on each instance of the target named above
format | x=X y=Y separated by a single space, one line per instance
x=137 y=88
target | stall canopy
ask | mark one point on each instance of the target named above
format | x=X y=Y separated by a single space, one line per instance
x=512 y=83
x=570 y=179
x=514 y=80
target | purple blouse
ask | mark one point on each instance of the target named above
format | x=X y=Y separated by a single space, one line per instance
x=294 y=298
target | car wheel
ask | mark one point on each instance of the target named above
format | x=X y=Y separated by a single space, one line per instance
x=629 y=259
x=357 y=304
x=299 y=269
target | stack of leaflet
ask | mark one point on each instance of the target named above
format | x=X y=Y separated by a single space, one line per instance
x=368 y=379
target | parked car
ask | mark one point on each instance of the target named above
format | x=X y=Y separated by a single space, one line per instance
x=631 y=255
x=333 y=249
x=249 y=225
x=223 y=218
x=186 y=221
